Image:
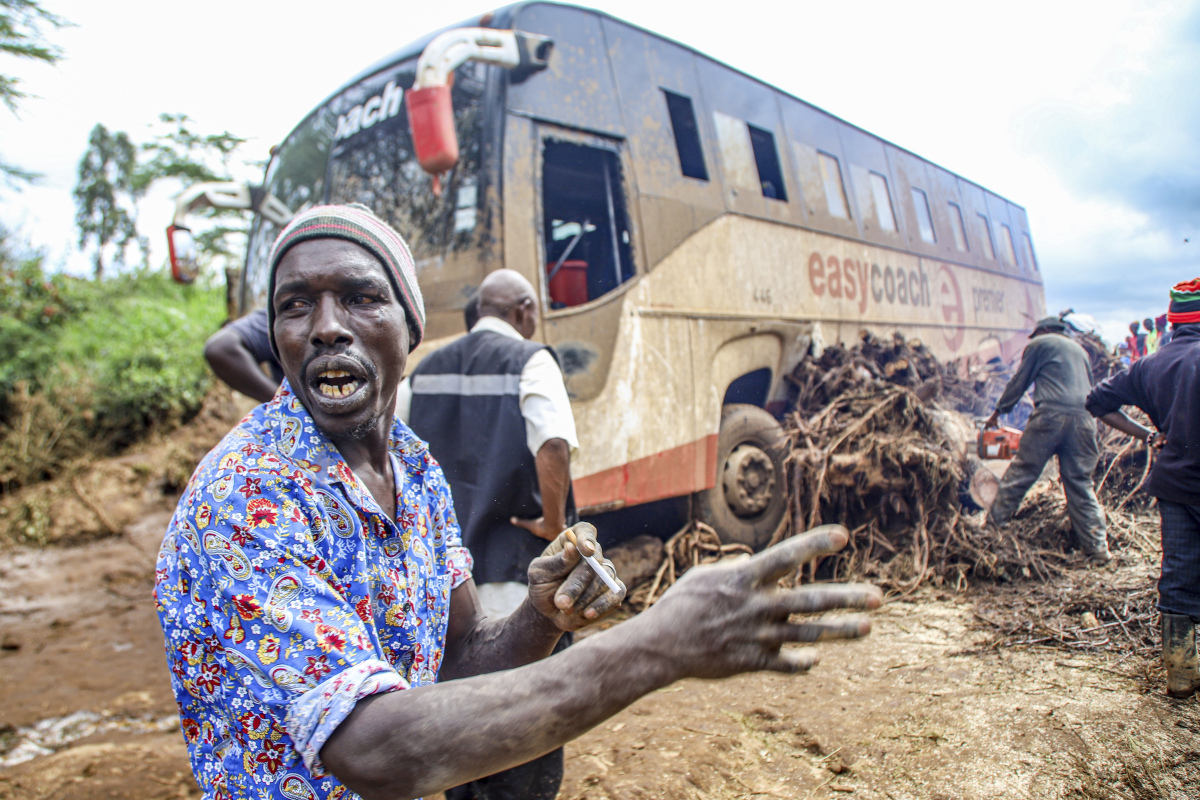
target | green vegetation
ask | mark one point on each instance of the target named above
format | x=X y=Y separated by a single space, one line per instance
x=89 y=366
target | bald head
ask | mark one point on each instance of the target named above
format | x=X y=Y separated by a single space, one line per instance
x=507 y=294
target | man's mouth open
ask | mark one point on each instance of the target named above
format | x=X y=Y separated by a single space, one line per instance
x=337 y=384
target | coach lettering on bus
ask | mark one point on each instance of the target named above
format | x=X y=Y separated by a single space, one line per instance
x=849 y=277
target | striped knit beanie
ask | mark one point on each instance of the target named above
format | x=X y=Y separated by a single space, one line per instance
x=1185 y=303
x=355 y=223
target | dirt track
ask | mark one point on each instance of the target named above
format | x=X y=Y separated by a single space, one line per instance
x=921 y=710
x=910 y=713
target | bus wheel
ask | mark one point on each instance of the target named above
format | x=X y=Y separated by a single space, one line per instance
x=750 y=498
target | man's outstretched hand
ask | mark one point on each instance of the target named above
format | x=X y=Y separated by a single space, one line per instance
x=731 y=617
x=565 y=589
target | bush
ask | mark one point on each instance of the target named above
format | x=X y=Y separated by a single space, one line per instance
x=112 y=359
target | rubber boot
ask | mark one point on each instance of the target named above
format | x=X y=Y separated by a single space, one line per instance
x=1179 y=655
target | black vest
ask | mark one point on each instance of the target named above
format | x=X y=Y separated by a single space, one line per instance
x=466 y=405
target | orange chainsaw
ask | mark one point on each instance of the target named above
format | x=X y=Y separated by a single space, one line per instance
x=1001 y=442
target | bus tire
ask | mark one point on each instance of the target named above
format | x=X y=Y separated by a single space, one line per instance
x=750 y=496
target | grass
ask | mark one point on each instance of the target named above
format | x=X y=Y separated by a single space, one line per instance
x=88 y=367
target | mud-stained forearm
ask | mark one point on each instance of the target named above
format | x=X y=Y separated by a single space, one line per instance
x=417 y=742
x=492 y=645
x=718 y=620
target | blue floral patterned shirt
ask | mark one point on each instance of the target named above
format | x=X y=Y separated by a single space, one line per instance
x=286 y=595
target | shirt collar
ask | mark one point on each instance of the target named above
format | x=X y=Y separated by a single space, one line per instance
x=297 y=437
x=497 y=325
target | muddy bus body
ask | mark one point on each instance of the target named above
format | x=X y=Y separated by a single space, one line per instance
x=703 y=231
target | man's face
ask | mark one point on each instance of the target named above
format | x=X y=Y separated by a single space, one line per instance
x=342 y=335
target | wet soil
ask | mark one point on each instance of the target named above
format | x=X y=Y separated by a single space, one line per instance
x=924 y=709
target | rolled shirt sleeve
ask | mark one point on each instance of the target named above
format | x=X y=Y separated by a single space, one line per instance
x=545 y=404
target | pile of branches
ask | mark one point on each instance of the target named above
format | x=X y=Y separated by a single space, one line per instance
x=693 y=545
x=1087 y=611
x=879 y=463
x=875 y=363
x=1123 y=468
x=876 y=442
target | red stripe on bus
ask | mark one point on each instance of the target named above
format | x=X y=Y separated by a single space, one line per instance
x=681 y=470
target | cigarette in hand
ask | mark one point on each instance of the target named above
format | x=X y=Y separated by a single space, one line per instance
x=596 y=566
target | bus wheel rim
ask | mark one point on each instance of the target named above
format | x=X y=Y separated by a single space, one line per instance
x=749 y=480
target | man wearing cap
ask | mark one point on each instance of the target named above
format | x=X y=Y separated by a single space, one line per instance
x=1061 y=374
x=317 y=603
x=1166 y=385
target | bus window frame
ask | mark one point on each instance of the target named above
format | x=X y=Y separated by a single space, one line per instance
x=543 y=130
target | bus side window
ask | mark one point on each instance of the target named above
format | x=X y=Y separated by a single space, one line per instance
x=1027 y=245
x=835 y=189
x=1007 y=251
x=687 y=136
x=985 y=231
x=924 y=221
x=883 y=203
x=956 y=224
x=586 y=226
x=766 y=158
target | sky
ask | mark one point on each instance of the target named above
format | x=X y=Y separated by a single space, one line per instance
x=1085 y=113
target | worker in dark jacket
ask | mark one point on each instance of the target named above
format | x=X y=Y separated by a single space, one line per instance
x=1061 y=374
x=1166 y=385
x=494 y=408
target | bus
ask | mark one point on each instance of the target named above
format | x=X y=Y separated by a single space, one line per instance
x=692 y=230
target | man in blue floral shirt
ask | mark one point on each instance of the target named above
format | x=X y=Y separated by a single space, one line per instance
x=322 y=629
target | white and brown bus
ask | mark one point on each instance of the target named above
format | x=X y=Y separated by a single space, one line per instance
x=693 y=232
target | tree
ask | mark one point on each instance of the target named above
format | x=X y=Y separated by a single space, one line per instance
x=21 y=35
x=107 y=175
x=115 y=174
x=183 y=154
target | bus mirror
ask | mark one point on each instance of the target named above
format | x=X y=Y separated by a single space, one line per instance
x=430 y=112
x=534 y=52
x=431 y=118
x=185 y=264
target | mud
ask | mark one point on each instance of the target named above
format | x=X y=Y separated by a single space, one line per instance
x=925 y=709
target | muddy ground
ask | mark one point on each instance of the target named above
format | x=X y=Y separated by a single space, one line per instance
x=926 y=708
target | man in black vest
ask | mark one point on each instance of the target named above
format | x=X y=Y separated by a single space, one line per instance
x=494 y=409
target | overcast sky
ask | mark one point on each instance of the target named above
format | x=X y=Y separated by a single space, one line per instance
x=1085 y=113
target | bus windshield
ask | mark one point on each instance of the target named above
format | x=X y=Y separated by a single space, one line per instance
x=373 y=161
x=358 y=149
x=296 y=176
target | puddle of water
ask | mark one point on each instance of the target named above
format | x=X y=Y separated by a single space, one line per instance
x=50 y=735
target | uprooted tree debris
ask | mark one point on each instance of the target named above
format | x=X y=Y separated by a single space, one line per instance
x=879 y=440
